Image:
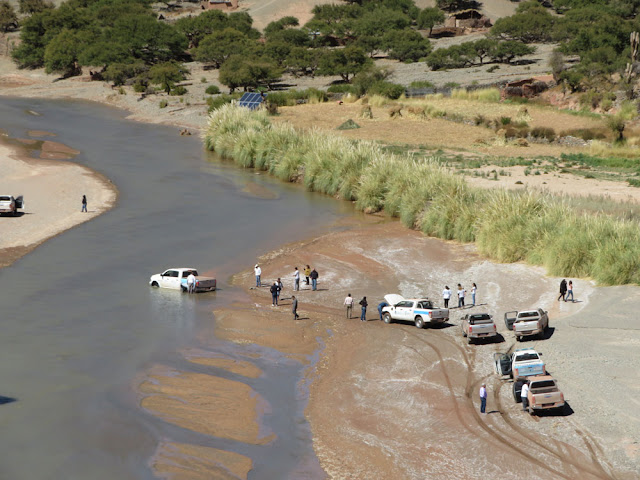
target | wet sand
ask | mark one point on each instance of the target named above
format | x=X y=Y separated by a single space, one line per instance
x=52 y=192
x=392 y=401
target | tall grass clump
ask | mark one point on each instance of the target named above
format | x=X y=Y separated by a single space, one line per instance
x=506 y=226
x=482 y=94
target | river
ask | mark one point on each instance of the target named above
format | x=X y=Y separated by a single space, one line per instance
x=80 y=323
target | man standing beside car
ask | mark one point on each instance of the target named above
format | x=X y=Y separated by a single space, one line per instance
x=524 y=394
x=191 y=282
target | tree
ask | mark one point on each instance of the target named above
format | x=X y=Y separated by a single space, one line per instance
x=533 y=26
x=506 y=51
x=281 y=24
x=8 y=17
x=368 y=77
x=484 y=47
x=556 y=62
x=29 y=7
x=345 y=62
x=429 y=18
x=167 y=75
x=406 y=45
x=380 y=20
x=219 y=46
x=241 y=71
x=61 y=54
x=618 y=122
x=302 y=61
x=455 y=5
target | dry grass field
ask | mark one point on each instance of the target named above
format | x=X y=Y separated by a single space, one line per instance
x=438 y=133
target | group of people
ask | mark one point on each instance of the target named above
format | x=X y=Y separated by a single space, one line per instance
x=566 y=289
x=461 y=293
x=348 y=302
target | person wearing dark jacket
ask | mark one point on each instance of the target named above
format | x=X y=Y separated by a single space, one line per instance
x=294 y=307
x=381 y=305
x=314 y=279
x=363 y=304
x=563 y=289
x=274 y=294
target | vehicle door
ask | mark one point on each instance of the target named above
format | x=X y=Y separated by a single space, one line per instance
x=509 y=319
x=502 y=363
x=404 y=310
x=170 y=279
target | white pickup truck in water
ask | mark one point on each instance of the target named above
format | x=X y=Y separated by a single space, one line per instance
x=420 y=311
x=176 y=279
x=10 y=204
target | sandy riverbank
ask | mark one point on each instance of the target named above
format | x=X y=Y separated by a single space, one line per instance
x=392 y=401
x=52 y=191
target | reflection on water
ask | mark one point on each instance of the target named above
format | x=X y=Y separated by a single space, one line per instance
x=80 y=320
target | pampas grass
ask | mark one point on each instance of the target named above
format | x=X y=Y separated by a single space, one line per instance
x=506 y=226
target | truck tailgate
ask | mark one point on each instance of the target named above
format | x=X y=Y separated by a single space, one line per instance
x=526 y=327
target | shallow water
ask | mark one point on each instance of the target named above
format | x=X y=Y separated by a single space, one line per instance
x=79 y=320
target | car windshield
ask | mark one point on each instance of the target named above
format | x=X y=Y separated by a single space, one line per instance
x=524 y=357
x=543 y=384
x=480 y=318
x=5 y=199
x=526 y=315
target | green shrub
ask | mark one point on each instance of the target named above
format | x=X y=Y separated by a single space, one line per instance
x=493 y=68
x=386 y=89
x=543 y=132
x=506 y=226
x=177 y=91
x=220 y=100
x=421 y=84
x=505 y=120
x=451 y=85
x=212 y=90
x=163 y=103
x=341 y=88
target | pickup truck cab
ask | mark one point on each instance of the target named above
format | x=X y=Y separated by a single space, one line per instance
x=420 y=311
x=544 y=394
x=10 y=204
x=176 y=279
x=524 y=362
x=478 y=325
x=527 y=322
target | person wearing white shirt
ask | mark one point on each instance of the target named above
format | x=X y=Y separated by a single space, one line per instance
x=446 y=295
x=461 y=293
x=296 y=280
x=258 y=272
x=349 y=304
x=474 y=289
x=483 y=398
x=524 y=394
x=191 y=282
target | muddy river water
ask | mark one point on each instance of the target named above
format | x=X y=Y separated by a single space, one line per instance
x=80 y=322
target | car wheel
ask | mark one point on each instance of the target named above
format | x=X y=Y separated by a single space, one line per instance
x=419 y=322
x=184 y=289
x=155 y=284
x=387 y=318
x=470 y=340
x=517 y=387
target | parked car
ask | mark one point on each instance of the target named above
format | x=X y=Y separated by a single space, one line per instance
x=10 y=204
x=176 y=279
x=420 y=311
x=527 y=322
x=524 y=362
x=478 y=325
x=544 y=394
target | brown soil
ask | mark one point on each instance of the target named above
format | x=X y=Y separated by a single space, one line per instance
x=180 y=461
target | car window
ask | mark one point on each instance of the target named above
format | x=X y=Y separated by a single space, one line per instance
x=543 y=384
x=186 y=273
x=5 y=199
x=171 y=273
x=525 y=315
x=405 y=304
x=526 y=357
x=480 y=318
x=425 y=304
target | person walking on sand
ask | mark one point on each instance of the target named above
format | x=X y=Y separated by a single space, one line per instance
x=314 y=279
x=307 y=273
x=524 y=395
x=381 y=305
x=363 y=314
x=274 y=294
x=296 y=280
x=483 y=398
x=258 y=271
x=294 y=307
x=461 y=293
x=280 y=288
x=349 y=304
x=84 y=204
x=446 y=295
x=563 y=289
x=474 y=289
x=569 y=292
x=191 y=282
